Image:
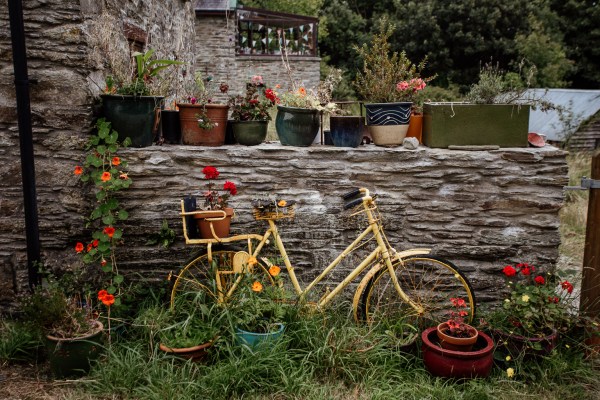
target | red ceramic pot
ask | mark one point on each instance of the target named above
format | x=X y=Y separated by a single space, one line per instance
x=457 y=364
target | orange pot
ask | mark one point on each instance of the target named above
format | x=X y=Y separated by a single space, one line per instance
x=192 y=134
x=415 y=127
x=454 y=343
x=219 y=222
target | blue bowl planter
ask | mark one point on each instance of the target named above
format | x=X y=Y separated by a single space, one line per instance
x=297 y=126
x=253 y=339
x=346 y=131
x=388 y=122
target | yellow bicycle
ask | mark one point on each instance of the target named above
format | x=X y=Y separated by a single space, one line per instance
x=396 y=283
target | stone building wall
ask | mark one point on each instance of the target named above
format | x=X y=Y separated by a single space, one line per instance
x=59 y=44
x=215 y=56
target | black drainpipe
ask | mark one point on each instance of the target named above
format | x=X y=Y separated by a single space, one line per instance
x=17 y=33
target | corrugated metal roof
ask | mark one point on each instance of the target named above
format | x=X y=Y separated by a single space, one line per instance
x=581 y=103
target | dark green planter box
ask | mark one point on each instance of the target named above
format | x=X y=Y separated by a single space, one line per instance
x=462 y=124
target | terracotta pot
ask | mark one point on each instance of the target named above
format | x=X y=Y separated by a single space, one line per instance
x=457 y=364
x=455 y=343
x=415 y=127
x=192 y=134
x=195 y=353
x=220 y=223
x=528 y=346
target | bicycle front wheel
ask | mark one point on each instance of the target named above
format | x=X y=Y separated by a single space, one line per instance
x=215 y=276
x=429 y=281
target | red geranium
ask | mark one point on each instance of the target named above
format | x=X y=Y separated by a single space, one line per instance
x=540 y=280
x=79 y=247
x=509 y=270
x=230 y=186
x=210 y=172
x=567 y=286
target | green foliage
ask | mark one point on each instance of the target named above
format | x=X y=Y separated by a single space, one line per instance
x=165 y=237
x=18 y=342
x=145 y=70
x=383 y=69
x=302 y=7
x=106 y=172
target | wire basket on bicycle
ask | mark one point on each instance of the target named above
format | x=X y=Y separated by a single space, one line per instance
x=273 y=209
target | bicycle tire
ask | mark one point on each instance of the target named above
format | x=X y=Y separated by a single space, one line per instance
x=199 y=275
x=427 y=280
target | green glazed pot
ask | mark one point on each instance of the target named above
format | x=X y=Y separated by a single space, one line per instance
x=250 y=133
x=132 y=116
x=297 y=126
x=253 y=339
x=72 y=356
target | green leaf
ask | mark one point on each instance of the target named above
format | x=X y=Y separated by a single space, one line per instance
x=112 y=148
x=108 y=219
x=122 y=215
x=127 y=142
x=118 y=234
x=101 y=195
x=112 y=204
x=118 y=279
x=107 y=268
x=104 y=246
x=101 y=149
x=117 y=301
x=111 y=289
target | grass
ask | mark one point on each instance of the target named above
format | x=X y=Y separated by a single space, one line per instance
x=322 y=356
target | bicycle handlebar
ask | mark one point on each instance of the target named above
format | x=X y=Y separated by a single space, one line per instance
x=353 y=203
x=365 y=195
x=350 y=194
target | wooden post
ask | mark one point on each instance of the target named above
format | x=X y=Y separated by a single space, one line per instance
x=590 y=283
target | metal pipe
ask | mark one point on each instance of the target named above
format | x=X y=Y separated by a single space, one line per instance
x=17 y=33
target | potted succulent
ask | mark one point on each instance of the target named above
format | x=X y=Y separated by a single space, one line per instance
x=203 y=122
x=454 y=349
x=387 y=84
x=496 y=113
x=69 y=324
x=257 y=310
x=251 y=112
x=536 y=309
x=214 y=215
x=128 y=102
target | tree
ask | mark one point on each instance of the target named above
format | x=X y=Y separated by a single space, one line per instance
x=302 y=7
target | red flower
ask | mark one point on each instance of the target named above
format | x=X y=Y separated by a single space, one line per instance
x=271 y=96
x=109 y=231
x=567 y=286
x=540 y=280
x=253 y=101
x=89 y=247
x=230 y=186
x=526 y=270
x=102 y=294
x=103 y=262
x=79 y=247
x=105 y=176
x=95 y=243
x=458 y=302
x=210 y=172
x=108 y=300
x=509 y=270
x=78 y=170
x=116 y=161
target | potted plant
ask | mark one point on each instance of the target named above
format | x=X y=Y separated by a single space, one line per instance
x=191 y=327
x=496 y=113
x=73 y=334
x=128 y=102
x=251 y=112
x=214 y=215
x=536 y=309
x=387 y=82
x=455 y=334
x=257 y=310
x=203 y=122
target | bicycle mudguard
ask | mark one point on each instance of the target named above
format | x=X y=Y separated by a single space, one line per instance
x=373 y=271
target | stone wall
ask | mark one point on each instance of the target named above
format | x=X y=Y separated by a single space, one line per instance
x=480 y=209
x=215 y=56
x=59 y=46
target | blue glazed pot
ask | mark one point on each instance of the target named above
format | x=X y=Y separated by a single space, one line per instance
x=297 y=126
x=252 y=339
x=347 y=131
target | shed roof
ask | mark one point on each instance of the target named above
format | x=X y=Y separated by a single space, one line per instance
x=581 y=103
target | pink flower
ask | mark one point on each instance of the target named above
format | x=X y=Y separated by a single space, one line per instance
x=402 y=85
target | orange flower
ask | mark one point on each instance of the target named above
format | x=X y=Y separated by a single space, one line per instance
x=302 y=91
x=252 y=261
x=274 y=270
x=116 y=161
x=108 y=300
x=123 y=176
x=257 y=287
x=282 y=203
x=89 y=247
x=105 y=176
x=109 y=231
x=78 y=170
x=79 y=247
x=102 y=294
x=278 y=86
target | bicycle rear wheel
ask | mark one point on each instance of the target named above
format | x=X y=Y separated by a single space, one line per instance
x=428 y=281
x=216 y=276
